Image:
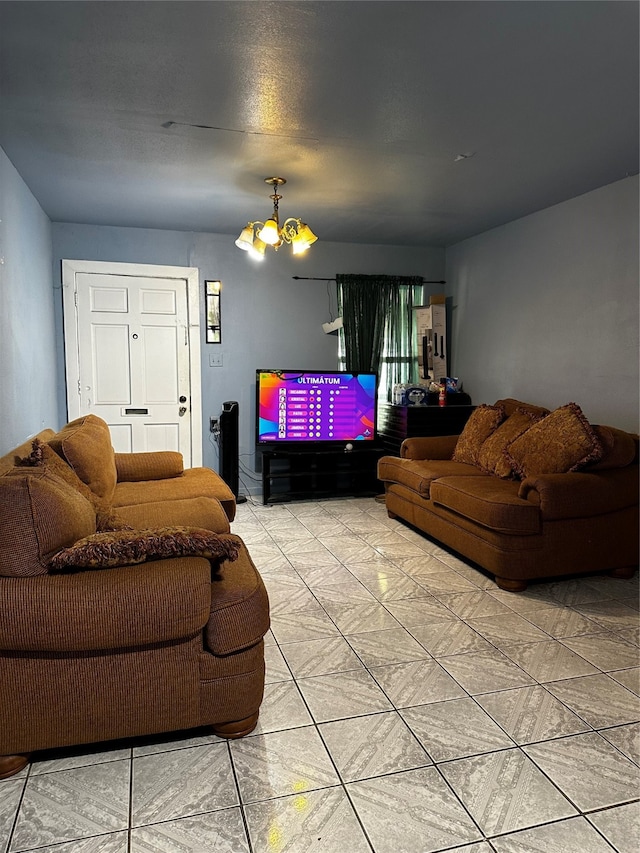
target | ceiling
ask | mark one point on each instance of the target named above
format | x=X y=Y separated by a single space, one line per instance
x=406 y=123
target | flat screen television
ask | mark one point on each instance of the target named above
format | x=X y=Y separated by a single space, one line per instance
x=315 y=407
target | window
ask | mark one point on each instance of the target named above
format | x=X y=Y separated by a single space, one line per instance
x=392 y=306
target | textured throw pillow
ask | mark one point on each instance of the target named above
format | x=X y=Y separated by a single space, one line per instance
x=483 y=421
x=491 y=457
x=42 y=455
x=123 y=547
x=560 y=442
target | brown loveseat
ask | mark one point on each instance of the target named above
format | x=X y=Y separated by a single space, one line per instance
x=523 y=492
x=107 y=646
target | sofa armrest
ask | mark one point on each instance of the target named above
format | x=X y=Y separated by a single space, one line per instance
x=582 y=494
x=155 y=465
x=105 y=609
x=429 y=447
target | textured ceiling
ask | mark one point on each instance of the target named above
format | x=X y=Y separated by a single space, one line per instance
x=363 y=107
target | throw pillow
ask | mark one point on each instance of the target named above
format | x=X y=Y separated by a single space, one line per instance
x=126 y=547
x=562 y=441
x=491 y=456
x=42 y=455
x=483 y=421
x=85 y=444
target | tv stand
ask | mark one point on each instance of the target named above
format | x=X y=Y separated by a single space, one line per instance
x=308 y=473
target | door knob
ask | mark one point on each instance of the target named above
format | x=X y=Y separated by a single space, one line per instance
x=183 y=399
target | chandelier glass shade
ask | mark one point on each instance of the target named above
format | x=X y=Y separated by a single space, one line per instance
x=256 y=236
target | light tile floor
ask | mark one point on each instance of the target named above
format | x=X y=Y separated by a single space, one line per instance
x=410 y=707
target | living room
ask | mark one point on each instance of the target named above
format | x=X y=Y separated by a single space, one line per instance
x=543 y=307
x=550 y=301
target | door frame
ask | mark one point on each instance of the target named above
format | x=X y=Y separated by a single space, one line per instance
x=71 y=344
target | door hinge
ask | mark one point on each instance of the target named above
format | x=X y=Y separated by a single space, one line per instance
x=79 y=391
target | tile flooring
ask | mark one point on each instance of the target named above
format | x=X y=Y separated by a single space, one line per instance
x=410 y=707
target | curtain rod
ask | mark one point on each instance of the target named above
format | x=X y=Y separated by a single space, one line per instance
x=317 y=278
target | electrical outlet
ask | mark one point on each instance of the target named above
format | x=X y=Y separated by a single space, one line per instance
x=215 y=359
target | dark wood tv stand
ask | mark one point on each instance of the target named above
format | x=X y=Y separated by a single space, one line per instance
x=395 y=423
x=308 y=473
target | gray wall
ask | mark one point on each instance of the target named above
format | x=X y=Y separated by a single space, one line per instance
x=268 y=319
x=545 y=309
x=27 y=338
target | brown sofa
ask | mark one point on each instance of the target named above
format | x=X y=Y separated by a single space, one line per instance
x=485 y=501
x=122 y=648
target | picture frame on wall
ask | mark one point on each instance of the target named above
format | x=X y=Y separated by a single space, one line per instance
x=212 y=311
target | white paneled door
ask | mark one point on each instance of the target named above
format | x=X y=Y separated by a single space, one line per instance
x=133 y=354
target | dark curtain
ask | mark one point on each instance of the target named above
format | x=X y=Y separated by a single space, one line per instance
x=361 y=303
x=377 y=318
x=401 y=354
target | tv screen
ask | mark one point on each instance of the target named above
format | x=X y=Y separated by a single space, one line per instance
x=297 y=406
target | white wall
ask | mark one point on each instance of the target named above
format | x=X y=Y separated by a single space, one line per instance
x=268 y=319
x=27 y=339
x=545 y=309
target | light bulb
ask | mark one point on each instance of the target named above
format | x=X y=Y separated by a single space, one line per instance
x=269 y=232
x=257 y=249
x=245 y=240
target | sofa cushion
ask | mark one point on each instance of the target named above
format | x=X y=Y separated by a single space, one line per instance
x=510 y=405
x=85 y=444
x=188 y=512
x=491 y=457
x=489 y=501
x=619 y=448
x=239 y=606
x=39 y=515
x=193 y=483
x=562 y=441
x=483 y=421
x=419 y=474
x=44 y=455
x=126 y=547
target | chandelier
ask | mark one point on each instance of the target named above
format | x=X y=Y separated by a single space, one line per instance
x=256 y=236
